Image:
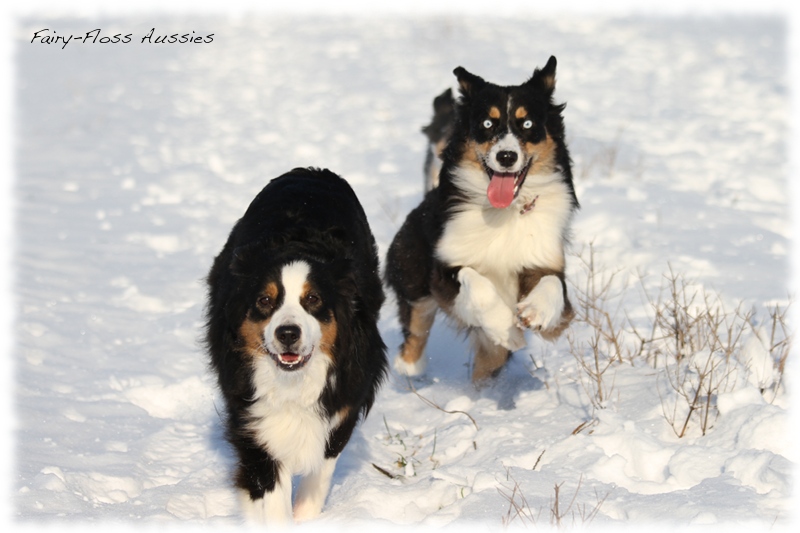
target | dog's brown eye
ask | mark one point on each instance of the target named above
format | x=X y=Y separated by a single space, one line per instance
x=312 y=299
x=265 y=302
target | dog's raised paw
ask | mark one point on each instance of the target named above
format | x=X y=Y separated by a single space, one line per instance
x=512 y=338
x=542 y=308
x=479 y=305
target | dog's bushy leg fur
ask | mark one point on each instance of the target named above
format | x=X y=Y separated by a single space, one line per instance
x=479 y=305
x=417 y=319
x=410 y=278
x=489 y=357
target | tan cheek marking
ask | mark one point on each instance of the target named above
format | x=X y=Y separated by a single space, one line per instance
x=521 y=112
x=494 y=113
x=475 y=153
x=545 y=155
x=328 y=340
x=252 y=335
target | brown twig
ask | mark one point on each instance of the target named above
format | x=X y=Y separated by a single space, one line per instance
x=436 y=406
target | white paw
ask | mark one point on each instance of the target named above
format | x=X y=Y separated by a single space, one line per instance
x=404 y=368
x=479 y=305
x=306 y=510
x=477 y=299
x=511 y=338
x=274 y=508
x=501 y=329
x=542 y=308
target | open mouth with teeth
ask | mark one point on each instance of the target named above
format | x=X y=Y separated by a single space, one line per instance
x=504 y=186
x=289 y=361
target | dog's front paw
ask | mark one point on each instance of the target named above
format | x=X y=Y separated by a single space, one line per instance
x=511 y=338
x=312 y=492
x=476 y=296
x=274 y=508
x=479 y=305
x=541 y=309
x=306 y=510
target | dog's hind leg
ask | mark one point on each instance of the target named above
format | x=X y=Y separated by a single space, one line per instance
x=416 y=319
x=489 y=357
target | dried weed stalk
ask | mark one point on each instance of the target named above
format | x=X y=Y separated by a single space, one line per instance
x=696 y=343
x=518 y=508
x=582 y=511
x=691 y=337
x=607 y=343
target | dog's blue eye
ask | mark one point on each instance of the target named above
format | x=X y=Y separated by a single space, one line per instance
x=528 y=124
x=488 y=123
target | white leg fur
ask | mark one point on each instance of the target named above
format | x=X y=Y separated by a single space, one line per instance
x=404 y=368
x=479 y=305
x=275 y=508
x=312 y=492
x=543 y=306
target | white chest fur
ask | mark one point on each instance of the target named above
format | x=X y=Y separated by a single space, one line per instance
x=286 y=418
x=498 y=243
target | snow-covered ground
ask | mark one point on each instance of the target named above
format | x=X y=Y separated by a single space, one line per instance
x=134 y=160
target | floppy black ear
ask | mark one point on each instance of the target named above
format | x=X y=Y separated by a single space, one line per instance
x=242 y=260
x=468 y=83
x=545 y=77
x=341 y=269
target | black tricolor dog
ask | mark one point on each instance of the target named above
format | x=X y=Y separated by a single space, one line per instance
x=487 y=244
x=438 y=133
x=293 y=304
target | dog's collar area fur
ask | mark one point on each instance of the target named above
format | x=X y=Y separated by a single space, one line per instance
x=527 y=208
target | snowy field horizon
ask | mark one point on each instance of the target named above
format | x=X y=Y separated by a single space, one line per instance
x=133 y=160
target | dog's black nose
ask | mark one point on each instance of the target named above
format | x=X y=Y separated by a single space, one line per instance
x=507 y=158
x=287 y=335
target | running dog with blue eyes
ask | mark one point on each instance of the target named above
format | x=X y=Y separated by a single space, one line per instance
x=293 y=305
x=487 y=245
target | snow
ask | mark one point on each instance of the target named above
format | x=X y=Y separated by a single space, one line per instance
x=133 y=162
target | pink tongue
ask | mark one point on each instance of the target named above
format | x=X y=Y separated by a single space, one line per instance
x=501 y=190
